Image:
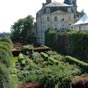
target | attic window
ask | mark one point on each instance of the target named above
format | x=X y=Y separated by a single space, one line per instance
x=69 y=9
x=47 y=10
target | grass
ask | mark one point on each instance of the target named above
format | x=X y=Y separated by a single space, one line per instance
x=13 y=71
x=14 y=59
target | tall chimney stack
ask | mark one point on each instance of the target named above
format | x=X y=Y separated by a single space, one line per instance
x=48 y=1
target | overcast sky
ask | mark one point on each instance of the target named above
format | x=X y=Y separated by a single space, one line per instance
x=12 y=10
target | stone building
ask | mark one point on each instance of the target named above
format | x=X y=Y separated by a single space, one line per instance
x=54 y=15
x=81 y=24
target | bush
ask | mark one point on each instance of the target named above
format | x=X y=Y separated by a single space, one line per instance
x=52 y=61
x=60 y=74
x=5 y=79
x=72 y=43
x=76 y=61
x=44 y=55
x=21 y=56
x=5 y=63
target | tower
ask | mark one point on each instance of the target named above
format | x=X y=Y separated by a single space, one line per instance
x=48 y=1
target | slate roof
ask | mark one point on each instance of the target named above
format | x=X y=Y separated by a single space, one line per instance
x=83 y=20
x=67 y=2
x=57 y=4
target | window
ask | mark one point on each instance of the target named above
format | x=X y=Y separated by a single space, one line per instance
x=55 y=28
x=55 y=18
x=69 y=9
x=69 y=17
x=48 y=18
x=48 y=29
x=79 y=27
x=47 y=10
x=62 y=19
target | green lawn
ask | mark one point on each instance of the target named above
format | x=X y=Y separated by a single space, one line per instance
x=14 y=71
x=14 y=59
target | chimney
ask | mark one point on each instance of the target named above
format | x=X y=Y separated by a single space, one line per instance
x=48 y=1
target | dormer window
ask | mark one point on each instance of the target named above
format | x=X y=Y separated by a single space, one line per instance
x=47 y=10
x=69 y=9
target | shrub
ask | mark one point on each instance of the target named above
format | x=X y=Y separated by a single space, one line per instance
x=5 y=64
x=44 y=55
x=76 y=61
x=21 y=56
x=72 y=43
x=5 y=79
x=52 y=61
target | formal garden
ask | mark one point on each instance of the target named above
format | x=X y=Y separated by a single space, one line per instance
x=48 y=69
x=35 y=69
x=62 y=63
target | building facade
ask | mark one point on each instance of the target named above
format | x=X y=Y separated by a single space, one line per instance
x=81 y=24
x=74 y=8
x=53 y=15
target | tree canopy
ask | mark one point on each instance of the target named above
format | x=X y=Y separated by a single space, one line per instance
x=22 y=29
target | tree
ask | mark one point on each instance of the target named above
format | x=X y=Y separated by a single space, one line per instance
x=22 y=29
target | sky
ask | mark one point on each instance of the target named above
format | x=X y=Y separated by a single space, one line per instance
x=12 y=10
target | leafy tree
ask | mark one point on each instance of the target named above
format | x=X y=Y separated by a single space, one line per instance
x=22 y=29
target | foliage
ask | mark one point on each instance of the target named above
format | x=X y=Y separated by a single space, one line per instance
x=49 y=77
x=22 y=29
x=55 y=55
x=81 y=64
x=44 y=55
x=37 y=58
x=5 y=79
x=7 y=41
x=50 y=39
x=39 y=70
x=5 y=63
x=52 y=60
x=73 y=43
x=27 y=49
x=5 y=53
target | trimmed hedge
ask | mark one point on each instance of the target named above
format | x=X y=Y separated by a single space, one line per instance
x=44 y=55
x=52 y=61
x=74 y=43
x=81 y=64
x=6 y=80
